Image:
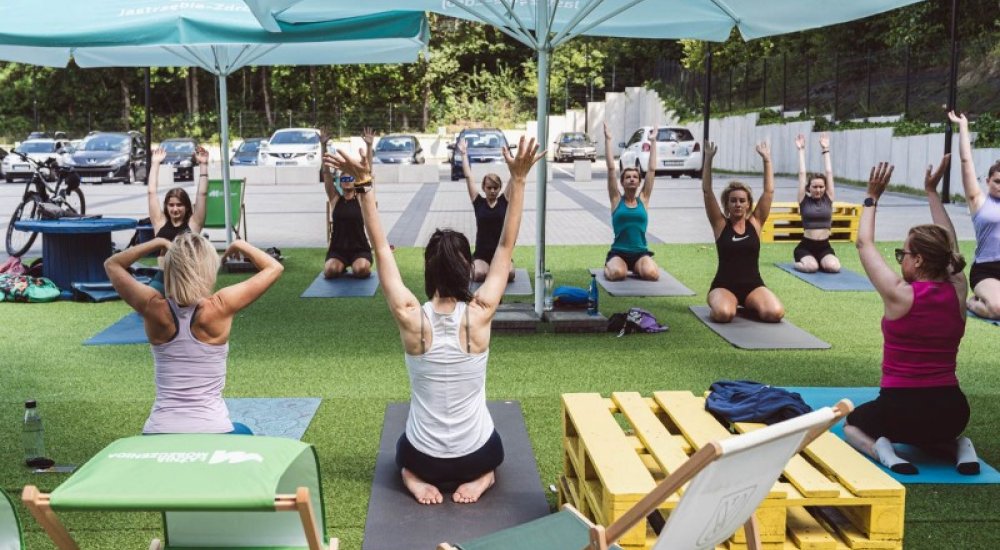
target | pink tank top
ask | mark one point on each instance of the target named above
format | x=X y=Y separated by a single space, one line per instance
x=920 y=347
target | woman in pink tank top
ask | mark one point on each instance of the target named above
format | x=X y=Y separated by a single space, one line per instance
x=919 y=402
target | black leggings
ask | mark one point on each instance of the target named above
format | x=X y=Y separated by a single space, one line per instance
x=457 y=470
x=917 y=416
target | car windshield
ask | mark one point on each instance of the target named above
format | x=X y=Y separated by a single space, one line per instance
x=395 y=145
x=37 y=147
x=295 y=137
x=179 y=146
x=484 y=140
x=573 y=138
x=674 y=134
x=105 y=143
x=250 y=147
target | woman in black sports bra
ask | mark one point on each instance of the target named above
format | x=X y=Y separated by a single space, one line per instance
x=736 y=226
x=349 y=247
x=177 y=215
x=815 y=197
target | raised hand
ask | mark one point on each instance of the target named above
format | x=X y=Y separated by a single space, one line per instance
x=764 y=150
x=958 y=119
x=159 y=154
x=824 y=141
x=520 y=164
x=800 y=142
x=368 y=135
x=356 y=167
x=932 y=178
x=201 y=155
x=463 y=147
x=879 y=179
x=710 y=149
x=652 y=136
x=607 y=133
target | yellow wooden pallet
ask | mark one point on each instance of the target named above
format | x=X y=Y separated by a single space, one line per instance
x=784 y=223
x=617 y=449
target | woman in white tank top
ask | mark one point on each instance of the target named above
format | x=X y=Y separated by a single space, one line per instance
x=450 y=439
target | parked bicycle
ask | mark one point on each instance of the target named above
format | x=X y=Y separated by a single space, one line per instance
x=42 y=200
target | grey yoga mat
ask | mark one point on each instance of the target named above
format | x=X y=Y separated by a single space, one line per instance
x=520 y=286
x=344 y=286
x=845 y=279
x=127 y=330
x=667 y=285
x=274 y=416
x=746 y=333
x=396 y=520
x=994 y=322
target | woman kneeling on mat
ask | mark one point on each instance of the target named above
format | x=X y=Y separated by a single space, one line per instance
x=177 y=216
x=450 y=438
x=188 y=327
x=490 y=211
x=985 y=209
x=920 y=402
x=349 y=246
x=816 y=207
x=630 y=217
x=736 y=227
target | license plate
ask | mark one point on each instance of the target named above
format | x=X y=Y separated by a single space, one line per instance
x=90 y=179
x=286 y=163
x=20 y=168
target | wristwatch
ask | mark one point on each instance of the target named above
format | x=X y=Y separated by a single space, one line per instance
x=870 y=201
x=364 y=185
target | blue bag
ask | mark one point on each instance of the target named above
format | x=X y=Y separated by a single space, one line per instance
x=570 y=296
x=748 y=401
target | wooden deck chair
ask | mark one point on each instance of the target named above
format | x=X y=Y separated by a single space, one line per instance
x=214 y=491
x=215 y=209
x=728 y=480
x=11 y=537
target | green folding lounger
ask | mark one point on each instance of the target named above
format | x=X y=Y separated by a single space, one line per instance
x=214 y=491
x=215 y=208
x=11 y=537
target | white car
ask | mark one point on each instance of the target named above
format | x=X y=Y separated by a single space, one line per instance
x=39 y=150
x=677 y=152
x=291 y=147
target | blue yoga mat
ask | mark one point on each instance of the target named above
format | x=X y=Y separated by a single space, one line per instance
x=99 y=292
x=993 y=322
x=932 y=469
x=341 y=287
x=127 y=330
x=276 y=417
x=844 y=280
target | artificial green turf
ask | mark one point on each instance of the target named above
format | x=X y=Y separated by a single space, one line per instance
x=347 y=351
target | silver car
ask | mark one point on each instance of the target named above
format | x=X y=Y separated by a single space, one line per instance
x=570 y=146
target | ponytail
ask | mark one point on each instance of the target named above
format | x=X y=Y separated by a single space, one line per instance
x=957 y=262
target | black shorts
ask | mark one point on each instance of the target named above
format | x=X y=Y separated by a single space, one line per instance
x=484 y=254
x=740 y=289
x=446 y=471
x=816 y=249
x=916 y=416
x=982 y=271
x=347 y=257
x=630 y=258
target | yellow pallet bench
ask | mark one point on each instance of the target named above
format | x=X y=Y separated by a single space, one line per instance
x=616 y=450
x=784 y=224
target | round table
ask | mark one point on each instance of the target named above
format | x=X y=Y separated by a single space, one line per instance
x=74 y=250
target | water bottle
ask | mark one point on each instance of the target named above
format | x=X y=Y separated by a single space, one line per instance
x=33 y=435
x=547 y=278
x=592 y=296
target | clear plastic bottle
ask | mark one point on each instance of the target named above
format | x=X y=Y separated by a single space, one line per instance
x=33 y=435
x=592 y=296
x=547 y=278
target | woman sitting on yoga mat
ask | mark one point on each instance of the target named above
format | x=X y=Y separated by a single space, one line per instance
x=177 y=215
x=816 y=207
x=490 y=210
x=920 y=402
x=450 y=438
x=985 y=209
x=349 y=246
x=188 y=327
x=736 y=227
x=630 y=216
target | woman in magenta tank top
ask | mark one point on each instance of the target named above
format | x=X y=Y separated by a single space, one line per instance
x=920 y=402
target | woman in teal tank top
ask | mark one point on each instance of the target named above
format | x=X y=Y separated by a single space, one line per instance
x=629 y=217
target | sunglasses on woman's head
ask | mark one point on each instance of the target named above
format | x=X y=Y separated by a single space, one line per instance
x=900 y=254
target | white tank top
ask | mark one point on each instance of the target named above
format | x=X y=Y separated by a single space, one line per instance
x=448 y=415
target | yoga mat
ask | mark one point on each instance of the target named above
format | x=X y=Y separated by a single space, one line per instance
x=127 y=330
x=396 y=520
x=344 y=286
x=520 y=286
x=746 y=333
x=844 y=280
x=933 y=469
x=993 y=322
x=277 y=417
x=99 y=292
x=633 y=286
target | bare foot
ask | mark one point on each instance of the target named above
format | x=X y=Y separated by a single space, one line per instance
x=470 y=492
x=425 y=493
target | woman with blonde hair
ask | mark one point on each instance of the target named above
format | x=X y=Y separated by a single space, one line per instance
x=919 y=402
x=736 y=226
x=490 y=208
x=188 y=327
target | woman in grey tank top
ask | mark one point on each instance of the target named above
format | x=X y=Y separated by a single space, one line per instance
x=447 y=397
x=188 y=327
x=816 y=197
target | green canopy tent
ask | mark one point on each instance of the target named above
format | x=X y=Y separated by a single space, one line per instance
x=543 y=25
x=219 y=37
x=215 y=490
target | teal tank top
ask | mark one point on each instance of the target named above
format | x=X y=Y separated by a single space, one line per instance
x=629 y=225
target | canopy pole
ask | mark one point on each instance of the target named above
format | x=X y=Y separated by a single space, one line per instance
x=224 y=157
x=952 y=98
x=707 y=107
x=149 y=128
x=541 y=36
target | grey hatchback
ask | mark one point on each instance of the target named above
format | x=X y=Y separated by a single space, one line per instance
x=398 y=149
x=484 y=145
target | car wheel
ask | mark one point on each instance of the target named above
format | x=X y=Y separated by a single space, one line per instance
x=9 y=179
x=131 y=175
x=696 y=174
x=638 y=166
x=675 y=176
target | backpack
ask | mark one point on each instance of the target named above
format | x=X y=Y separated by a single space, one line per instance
x=748 y=401
x=22 y=288
x=635 y=320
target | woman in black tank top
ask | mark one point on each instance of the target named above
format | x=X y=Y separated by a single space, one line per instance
x=349 y=246
x=177 y=215
x=736 y=226
x=490 y=208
